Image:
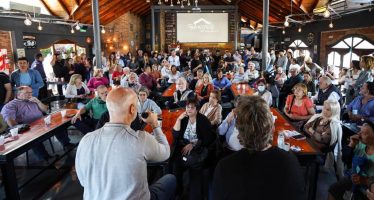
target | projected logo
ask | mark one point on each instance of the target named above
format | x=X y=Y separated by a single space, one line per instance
x=202 y=25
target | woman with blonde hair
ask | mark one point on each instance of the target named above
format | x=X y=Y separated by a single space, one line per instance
x=326 y=131
x=97 y=80
x=366 y=64
x=76 y=88
x=203 y=90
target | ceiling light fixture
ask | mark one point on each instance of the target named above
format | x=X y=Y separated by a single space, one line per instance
x=103 y=30
x=331 y=25
x=77 y=27
x=286 y=23
x=72 y=30
x=327 y=13
x=28 y=21
x=299 y=30
x=283 y=31
x=40 y=27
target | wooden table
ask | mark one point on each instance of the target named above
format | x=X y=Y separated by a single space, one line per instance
x=307 y=156
x=169 y=117
x=241 y=89
x=38 y=133
x=169 y=91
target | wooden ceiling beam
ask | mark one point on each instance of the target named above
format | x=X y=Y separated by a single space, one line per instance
x=63 y=5
x=48 y=8
x=82 y=4
x=250 y=15
x=109 y=17
x=108 y=8
x=256 y=7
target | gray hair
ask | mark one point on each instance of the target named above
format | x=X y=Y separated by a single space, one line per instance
x=327 y=80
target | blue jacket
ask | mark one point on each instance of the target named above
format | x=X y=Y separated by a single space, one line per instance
x=223 y=83
x=227 y=129
x=36 y=81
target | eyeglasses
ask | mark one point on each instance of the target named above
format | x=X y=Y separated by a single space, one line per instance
x=142 y=94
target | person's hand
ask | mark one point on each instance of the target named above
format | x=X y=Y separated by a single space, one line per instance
x=369 y=194
x=353 y=140
x=151 y=119
x=311 y=131
x=181 y=116
x=35 y=100
x=231 y=116
x=357 y=179
x=74 y=119
x=187 y=149
x=71 y=72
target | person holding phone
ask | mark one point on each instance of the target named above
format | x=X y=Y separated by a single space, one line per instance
x=361 y=145
x=111 y=162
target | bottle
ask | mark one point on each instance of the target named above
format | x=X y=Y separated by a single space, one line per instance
x=280 y=140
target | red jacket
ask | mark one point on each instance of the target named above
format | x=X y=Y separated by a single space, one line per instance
x=200 y=87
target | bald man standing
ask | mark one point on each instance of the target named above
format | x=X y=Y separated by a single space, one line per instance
x=111 y=162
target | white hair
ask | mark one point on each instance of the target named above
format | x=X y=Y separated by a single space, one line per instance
x=335 y=108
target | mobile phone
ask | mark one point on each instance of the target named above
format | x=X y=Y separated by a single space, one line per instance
x=299 y=137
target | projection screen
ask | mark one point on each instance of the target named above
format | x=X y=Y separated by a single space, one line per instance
x=202 y=27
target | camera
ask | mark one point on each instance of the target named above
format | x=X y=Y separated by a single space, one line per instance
x=144 y=115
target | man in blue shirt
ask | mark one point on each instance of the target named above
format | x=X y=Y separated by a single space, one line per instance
x=362 y=107
x=221 y=83
x=26 y=77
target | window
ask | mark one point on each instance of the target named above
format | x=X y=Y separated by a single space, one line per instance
x=348 y=58
x=333 y=59
x=348 y=49
x=298 y=44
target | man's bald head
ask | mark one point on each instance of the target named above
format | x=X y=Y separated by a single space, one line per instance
x=122 y=105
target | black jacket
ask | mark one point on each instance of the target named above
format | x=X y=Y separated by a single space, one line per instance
x=204 y=131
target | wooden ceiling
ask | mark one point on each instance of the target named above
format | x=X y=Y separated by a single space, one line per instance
x=80 y=10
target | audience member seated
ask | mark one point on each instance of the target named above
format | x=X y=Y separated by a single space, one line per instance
x=97 y=106
x=111 y=162
x=193 y=135
x=3 y=125
x=309 y=82
x=362 y=107
x=203 y=90
x=198 y=80
x=165 y=69
x=212 y=109
x=132 y=82
x=76 y=88
x=263 y=92
x=295 y=78
x=366 y=63
x=228 y=129
x=173 y=75
x=360 y=147
x=26 y=109
x=146 y=104
x=330 y=72
x=187 y=75
x=324 y=128
x=258 y=166
x=221 y=83
x=280 y=77
x=97 y=80
x=240 y=76
x=117 y=74
x=147 y=80
x=181 y=95
x=343 y=74
x=252 y=73
x=24 y=76
x=327 y=90
x=299 y=107
x=294 y=63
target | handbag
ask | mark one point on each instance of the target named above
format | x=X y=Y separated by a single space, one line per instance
x=196 y=158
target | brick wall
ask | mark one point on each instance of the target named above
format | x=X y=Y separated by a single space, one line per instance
x=331 y=37
x=120 y=33
x=6 y=43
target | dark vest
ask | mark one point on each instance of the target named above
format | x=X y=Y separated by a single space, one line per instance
x=323 y=96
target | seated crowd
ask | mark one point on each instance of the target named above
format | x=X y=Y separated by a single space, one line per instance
x=219 y=139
